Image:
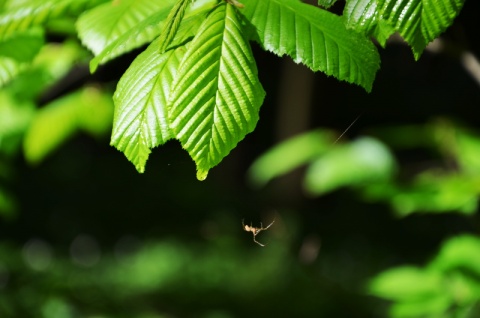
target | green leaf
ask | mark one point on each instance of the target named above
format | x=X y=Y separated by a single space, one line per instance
x=104 y=24
x=314 y=37
x=140 y=120
x=20 y=18
x=58 y=121
x=24 y=46
x=289 y=155
x=420 y=21
x=95 y=112
x=52 y=62
x=459 y=253
x=364 y=16
x=326 y=3
x=434 y=191
x=406 y=283
x=17 y=51
x=52 y=125
x=216 y=95
x=365 y=160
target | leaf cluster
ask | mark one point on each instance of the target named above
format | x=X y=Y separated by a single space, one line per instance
x=197 y=82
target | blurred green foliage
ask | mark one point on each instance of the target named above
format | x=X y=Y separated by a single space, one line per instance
x=449 y=286
x=151 y=279
x=30 y=70
x=448 y=182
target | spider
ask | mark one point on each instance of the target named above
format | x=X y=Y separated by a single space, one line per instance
x=256 y=230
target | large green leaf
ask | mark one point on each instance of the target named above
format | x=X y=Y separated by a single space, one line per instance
x=20 y=18
x=314 y=37
x=420 y=21
x=216 y=95
x=104 y=24
x=140 y=120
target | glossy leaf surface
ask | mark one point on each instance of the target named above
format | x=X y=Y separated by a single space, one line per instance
x=216 y=95
x=314 y=37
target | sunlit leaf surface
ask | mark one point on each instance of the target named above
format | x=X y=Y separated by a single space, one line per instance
x=420 y=21
x=216 y=95
x=314 y=37
x=24 y=16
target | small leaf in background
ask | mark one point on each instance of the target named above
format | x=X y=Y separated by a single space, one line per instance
x=14 y=119
x=314 y=37
x=51 y=63
x=461 y=253
x=58 y=121
x=434 y=191
x=416 y=292
x=406 y=283
x=95 y=112
x=51 y=126
x=289 y=155
x=420 y=21
x=362 y=161
x=326 y=3
x=16 y=52
x=469 y=153
x=58 y=58
x=211 y=121
x=22 y=17
x=23 y=47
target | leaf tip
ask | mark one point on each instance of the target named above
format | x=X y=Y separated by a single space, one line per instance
x=202 y=174
x=93 y=65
